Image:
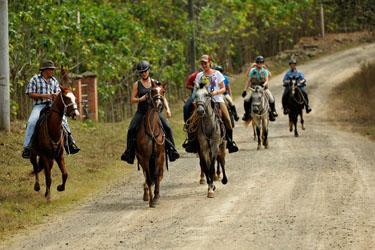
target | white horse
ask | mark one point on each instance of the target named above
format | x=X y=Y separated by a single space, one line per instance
x=260 y=115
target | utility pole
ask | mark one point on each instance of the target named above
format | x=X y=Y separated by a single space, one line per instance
x=192 y=40
x=322 y=18
x=4 y=68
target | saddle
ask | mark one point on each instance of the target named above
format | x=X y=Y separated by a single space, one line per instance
x=42 y=117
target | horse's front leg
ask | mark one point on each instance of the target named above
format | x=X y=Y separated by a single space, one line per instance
x=290 y=122
x=254 y=130
x=35 y=172
x=47 y=172
x=295 y=125
x=265 y=133
x=61 y=163
x=302 y=121
x=158 y=178
x=221 y=159
x=258 y=135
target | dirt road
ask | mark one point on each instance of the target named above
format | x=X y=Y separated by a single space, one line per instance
x=312 y=192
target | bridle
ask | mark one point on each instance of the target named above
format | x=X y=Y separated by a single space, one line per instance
x=154 y=99
x=66 y=106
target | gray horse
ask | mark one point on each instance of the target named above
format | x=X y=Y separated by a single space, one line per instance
x=211 y=140
x=260 y=115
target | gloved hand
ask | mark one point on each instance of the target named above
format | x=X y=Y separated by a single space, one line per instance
x=243 y=94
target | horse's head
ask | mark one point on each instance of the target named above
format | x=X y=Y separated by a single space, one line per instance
x=202 y=99
x=257 y=100
x=69 y=101
x=293 y=85
x=156 y=96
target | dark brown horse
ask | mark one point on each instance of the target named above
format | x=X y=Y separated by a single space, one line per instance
x=150 y=145
x=49 y=141
x=295 y=106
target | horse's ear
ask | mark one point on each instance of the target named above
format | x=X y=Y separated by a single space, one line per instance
x=62 y=88
x=164 y=84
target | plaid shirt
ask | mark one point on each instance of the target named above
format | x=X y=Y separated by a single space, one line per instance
x=38 y=84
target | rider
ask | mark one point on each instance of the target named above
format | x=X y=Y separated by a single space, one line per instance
x=139 y=95
x=42 y=88
x=293 y=72
x=216 y=87
x=188 y=107
x=228 y=93
x=258 y=76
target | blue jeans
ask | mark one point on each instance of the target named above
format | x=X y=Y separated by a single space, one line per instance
x=34 y=116
x=188 y=108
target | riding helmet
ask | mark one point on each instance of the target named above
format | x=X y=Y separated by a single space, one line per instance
x=219 y=68
x=259 y=59
x=293 y=61
x=143 y=66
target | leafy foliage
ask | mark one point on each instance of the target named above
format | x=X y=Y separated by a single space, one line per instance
x=111 y=36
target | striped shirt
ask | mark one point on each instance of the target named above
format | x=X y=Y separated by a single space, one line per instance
x=38 y=84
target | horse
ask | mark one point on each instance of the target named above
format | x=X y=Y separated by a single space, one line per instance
x=150 y=145
x=295 y=106
x=49 y=140
x=210 y=137
x=260 y=115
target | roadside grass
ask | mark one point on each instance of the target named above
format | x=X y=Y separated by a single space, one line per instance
x=95 y=167
x=353 y=102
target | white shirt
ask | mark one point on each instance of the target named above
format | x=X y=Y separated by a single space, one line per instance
x=214 y=81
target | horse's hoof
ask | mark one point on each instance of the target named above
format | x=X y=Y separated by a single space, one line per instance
x=210 y=194
x=258 y=147
x=224 y=180
x=266 y=146
x=296 y=135
x=214 y=188
x=60 y=188
x=36 y=187
x=303 y=127
x=48 y=199
x=152 y=204
x=155 y=201
x=145 y=197
x=290 y=129
x=202 y=181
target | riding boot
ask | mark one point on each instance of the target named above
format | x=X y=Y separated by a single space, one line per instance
x=273 y=109
x=247 y=107
x=171 y=149
x=26 y=153
x=191 y=144
x=71 y=148
x=234 y=111
x=231 y=145
x=129 y=154
x=308 y=109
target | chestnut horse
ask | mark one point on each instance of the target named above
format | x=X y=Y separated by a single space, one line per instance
x=49 y=141
x=150 y=145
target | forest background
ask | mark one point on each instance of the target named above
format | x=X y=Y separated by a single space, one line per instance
x=110 y=37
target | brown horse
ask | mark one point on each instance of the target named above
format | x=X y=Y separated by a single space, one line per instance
x=49 y=141
x=150 y=145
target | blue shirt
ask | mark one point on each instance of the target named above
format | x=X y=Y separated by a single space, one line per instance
x=255 y=71
x=38 y=84
x=226 y=82
x=297 y=74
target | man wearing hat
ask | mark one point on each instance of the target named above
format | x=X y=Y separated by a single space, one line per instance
x=42 y=88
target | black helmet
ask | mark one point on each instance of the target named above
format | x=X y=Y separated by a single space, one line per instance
x=293 y=61
x=259 y=59
x=143 y=66
x=219 y=68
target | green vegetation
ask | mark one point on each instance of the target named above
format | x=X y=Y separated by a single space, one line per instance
x=355 y=107
x=109 y=37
